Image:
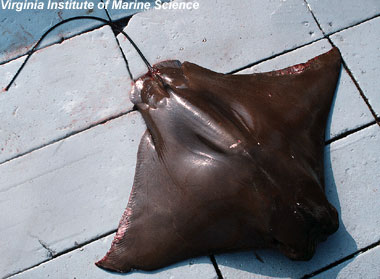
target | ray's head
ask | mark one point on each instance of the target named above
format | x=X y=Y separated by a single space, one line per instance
x=177 y=107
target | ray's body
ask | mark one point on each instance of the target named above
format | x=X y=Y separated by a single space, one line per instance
x=228 y=162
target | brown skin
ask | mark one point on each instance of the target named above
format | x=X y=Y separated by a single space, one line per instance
x=228 y=162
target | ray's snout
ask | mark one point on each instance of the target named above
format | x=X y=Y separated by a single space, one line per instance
x=147 y=92
x=150 y=89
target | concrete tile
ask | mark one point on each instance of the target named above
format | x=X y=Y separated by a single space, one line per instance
x=8 y=70
x=334 y=15
x=221 y=35
x=360 y=47
x=21 y=30
x=352 y=186
x=66 y=193
x=80 y=264
x=364 y=265
x=349 y=110
x=63 y=88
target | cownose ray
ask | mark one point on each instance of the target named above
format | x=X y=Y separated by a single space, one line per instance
x=228 y=162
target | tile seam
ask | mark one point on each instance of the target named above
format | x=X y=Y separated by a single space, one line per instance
x=273 y=56
x=345 y=66
x=349 y=132
x=353 y=25
x=361 y=92
x=212 y=257
x=59 y=254
x=342 y=260
x=117 y=40
x=73 y=133
x=233 y=71
x=53 y=44
x=376 y=121
x=216 y=267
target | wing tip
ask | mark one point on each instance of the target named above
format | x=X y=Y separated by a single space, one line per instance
x=106 y=264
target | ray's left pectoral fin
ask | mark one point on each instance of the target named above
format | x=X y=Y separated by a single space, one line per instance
x=146 y=238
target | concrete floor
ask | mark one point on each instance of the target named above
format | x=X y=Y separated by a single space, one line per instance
x=68 y=137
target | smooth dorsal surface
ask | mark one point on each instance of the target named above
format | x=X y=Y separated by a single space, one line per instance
x=228 y=162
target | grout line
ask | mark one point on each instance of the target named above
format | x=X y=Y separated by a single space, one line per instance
x=234 y=71
x=345 y=66
x=350 y=256
x=353 y=25
x=127 y=19
x=336 y=138
x=93 y=125
x=58 y=42
x=107 y=13
x=325 y=36
x=341 y=29
x=358 y=87
x=73 y=133
x=63 y=38
x=314 y=17
x=215 y=264
x=64 y=252
x=350 y=132
x=212 y=257
x=377 y=119
x=272 y=56
x=79 y=246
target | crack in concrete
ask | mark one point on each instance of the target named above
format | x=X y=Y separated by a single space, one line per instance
x=50 y=252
